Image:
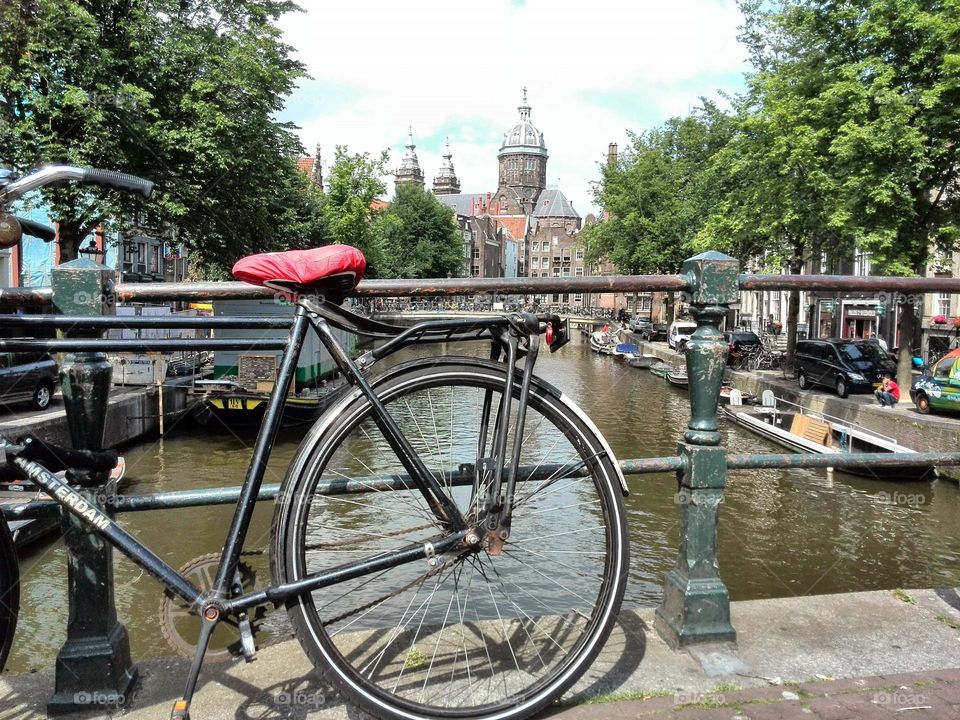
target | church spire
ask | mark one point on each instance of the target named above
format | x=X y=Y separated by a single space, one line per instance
x=409 y=171
x=446 y=181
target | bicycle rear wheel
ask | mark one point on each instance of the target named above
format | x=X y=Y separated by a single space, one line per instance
x=477 y=634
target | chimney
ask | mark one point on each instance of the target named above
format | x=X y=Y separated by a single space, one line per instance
x=612 y=155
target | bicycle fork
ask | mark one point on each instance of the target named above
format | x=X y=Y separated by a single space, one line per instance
x=499 y=500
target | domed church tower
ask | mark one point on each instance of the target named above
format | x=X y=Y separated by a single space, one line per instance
x=446 y=181
x=410 y=171
x=523 y=165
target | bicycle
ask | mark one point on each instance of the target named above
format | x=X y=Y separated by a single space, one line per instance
x=449 y=539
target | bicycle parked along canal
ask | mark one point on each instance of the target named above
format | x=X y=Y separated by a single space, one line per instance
x=449 y=539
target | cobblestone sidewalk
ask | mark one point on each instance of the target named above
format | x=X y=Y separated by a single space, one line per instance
x=924 y=695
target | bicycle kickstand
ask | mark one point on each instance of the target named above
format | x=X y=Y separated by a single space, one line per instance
x=181 y=707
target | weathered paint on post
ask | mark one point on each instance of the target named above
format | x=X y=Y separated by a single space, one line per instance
x=94 y=670
x=696 y=604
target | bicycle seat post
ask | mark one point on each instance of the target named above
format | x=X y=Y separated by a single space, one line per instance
x=93 y=668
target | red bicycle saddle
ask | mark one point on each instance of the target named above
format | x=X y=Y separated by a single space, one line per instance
x=323 y=268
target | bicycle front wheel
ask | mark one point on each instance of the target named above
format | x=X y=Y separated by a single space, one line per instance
x=487 y=632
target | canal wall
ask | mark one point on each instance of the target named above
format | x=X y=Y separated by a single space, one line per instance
x=131 y=413
x=923 y=433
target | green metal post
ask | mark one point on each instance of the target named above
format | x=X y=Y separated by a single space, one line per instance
x=93 y=670
x=696 y=605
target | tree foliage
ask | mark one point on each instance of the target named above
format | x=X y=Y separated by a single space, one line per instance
x=349 y=206
x=656 y=196
x=182 y=92
x=420 y=236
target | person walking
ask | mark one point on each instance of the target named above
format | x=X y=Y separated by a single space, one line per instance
x=888 y=394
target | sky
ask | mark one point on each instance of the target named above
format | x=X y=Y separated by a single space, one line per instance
x=452 y=69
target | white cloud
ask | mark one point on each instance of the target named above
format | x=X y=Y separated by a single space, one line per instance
x=593 y=70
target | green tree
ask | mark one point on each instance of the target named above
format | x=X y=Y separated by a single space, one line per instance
x=868 y=89
x=356 y=181
x=657 y=195
x=420 y=236
x=180 y=92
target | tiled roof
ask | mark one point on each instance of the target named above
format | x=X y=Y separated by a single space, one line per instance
x=553 y=203
x=305 y=165
x=516 y=225
x=464 y=203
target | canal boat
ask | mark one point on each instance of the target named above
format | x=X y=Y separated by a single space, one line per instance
x=678 y=377
x=642 y=362
x=727 y=393
x=603 y=342
x=227 y=404
x=660 y=369
x=800 y=429
x=626 y=351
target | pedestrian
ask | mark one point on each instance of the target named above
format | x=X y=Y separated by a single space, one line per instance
x=888 y=394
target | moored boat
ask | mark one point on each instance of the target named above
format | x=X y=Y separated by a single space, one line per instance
x=678 y=377
x=642 y=362
x=660 y=369
x=796 y=427
x=603 y=342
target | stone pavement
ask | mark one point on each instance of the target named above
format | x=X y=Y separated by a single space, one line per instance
x=859 y=655
x=934 y=694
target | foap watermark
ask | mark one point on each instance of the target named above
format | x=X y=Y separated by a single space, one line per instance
x=119 y=100
x=896 y=497
x=300 y=698
x=693 y=697
x=83 y=297
x=687 y=497
x=99 y=698
x=902 y=697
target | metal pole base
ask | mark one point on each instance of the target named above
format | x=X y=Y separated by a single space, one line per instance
x=694 y=612
x=93 y=674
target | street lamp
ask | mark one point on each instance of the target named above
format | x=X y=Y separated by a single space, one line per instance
x=92 y=251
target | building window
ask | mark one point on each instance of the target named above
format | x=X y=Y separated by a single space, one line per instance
x=861 y=262
x=579 y=253
x=556 y=272
x=943 y=304
x=578 y=298
x=578 y=272
x=566 y=272
x=476 y=270
x=476 y=253
x=535 y=247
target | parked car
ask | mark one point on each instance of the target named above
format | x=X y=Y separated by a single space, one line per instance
x=639 y=323
x=741 y=341
x=844 y=365
x=657 y=331
x=27 y=378
x=680 y=332
x=938 y=388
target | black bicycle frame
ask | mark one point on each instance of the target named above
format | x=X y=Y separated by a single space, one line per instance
x=306 y=316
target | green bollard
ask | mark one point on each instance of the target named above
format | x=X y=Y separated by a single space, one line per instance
x=696 y=605
x=93 y=670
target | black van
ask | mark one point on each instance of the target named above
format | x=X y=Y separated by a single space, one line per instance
x=844 y=365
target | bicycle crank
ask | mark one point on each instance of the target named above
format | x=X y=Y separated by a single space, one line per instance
x=233 y=637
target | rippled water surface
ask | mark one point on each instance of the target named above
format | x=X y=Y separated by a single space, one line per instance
x=781 y=533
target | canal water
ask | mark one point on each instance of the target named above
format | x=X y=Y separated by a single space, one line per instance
x=782 y=534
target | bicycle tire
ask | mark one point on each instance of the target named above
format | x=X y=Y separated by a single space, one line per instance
x=9 y=592
x=398 y=652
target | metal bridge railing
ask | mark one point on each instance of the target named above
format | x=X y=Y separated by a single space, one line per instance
x=695 y=607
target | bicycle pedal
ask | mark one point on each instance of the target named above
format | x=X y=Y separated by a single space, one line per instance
x=181 y=710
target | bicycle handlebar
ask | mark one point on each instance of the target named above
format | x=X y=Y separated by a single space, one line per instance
x=50 y=174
